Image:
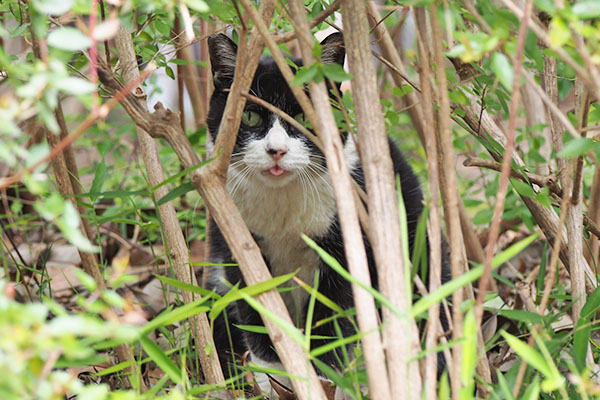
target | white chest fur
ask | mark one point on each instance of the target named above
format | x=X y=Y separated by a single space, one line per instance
x=279 y=216
x=280 y=213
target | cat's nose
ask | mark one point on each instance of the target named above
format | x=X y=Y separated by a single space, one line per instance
x=277 y=154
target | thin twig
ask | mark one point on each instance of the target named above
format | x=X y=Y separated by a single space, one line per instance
x=286 y=117
x=582 y=119
x=173 y=235
x=528 y=177
x=323 y=15
x=100 y=113
x=350 y=226
x=506 y=167
x=548 y=284
x=164 y=124
x=545 y=37
x=189 y=74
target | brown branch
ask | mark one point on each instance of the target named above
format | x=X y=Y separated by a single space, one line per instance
x=190 y=76
x=404 y=377
x=94 y=116
x=450 y=195
x=412 y=104
x=399 y=73
x=574 y=223
x=506 y=166
x=556 y=115
x=548 y=284
x=434 y=225
x=482 y=125
x=576 y=263
x=353 y=243
x=562 y=53
x=593 y=209
x=67 y=186
x=164 y=124
x=542 y=181
x=173 y=236
x=583 y=100
x=323 y=15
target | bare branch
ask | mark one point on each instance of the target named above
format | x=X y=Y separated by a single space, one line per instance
x=353 y=243
x=165 y=124
x=404 y=377
x=173 y=235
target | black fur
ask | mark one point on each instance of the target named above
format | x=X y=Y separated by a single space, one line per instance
x=270 y=85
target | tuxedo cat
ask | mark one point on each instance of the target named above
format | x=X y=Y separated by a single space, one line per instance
x=279 y=181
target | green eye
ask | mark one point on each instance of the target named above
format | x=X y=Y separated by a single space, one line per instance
x=251 y=118
x=301 y=118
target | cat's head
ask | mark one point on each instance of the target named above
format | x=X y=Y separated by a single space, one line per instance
x=268 y=150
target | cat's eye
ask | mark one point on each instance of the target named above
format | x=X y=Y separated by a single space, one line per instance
x=301 y=117
x=251 y=118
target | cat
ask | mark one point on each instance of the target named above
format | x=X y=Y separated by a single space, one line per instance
x=279 y=181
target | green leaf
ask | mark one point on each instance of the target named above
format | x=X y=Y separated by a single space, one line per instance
x=171 y=316
x=187 y=286
x=469 y=356
x=559 y=32
x=197 y=5
x=177 y=192
x=533 y=390
x=528 y=354
x=546 y=5
x=522 y=188
x=584 y=329
x=253 y=328
x=555 y=380
x=503 y=70
x=99 y=177
x=161 y=359
x=68 y=38
x=74 y=86
x=86 y=280
x=322 y=298
x=576 y=147
x=402 y=90
x=169 y=72
x=522 y=316
x=587 y=9
x=335 y=72
x=307 y=74
x=444 y=390
x=316 y=352
x=505 y=387
x=237 y=294
x=285 y=326
x=53 y=7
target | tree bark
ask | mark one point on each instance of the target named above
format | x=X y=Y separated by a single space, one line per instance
x=384 y=224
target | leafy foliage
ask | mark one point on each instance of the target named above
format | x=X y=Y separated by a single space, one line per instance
x=42 y=340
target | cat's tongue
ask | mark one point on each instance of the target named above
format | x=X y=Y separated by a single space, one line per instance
x=276 y=170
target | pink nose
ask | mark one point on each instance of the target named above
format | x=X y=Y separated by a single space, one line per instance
x=277 y=154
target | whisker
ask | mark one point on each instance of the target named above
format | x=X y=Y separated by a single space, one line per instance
x=239 y=178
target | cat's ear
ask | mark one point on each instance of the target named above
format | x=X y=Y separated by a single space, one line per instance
x=223 y=53
x=333 y=50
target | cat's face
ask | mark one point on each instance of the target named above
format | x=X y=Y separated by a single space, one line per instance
x=268 y=150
